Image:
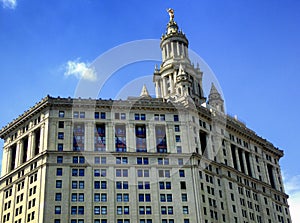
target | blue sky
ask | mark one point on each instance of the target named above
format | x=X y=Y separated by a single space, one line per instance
x=253 y=47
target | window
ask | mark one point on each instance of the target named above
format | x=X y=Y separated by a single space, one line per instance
x=177 y=128
x=177 y=138
x=60 y=147
x=182 y=185
x=179 y=149
x=121 y=173
x=61 y=124
x=100 y=172
x=121 y=160
x=181 y=173
x=100 y=160
x=145 y=210
x=165 y=185
x=139 y=117
x=100 y=184
x=144 y=198
x=184 y=198
x=75 y=114
x=57 y=210
x=78 y=159
x=122 y=197
x=123 y=116
x=59 y=172
x=143 y=173
x=159 y=117
x=61 y=114
x=180 y=161
x=176 y=118
x=164 y=173
x=58 y=197
x=97 y=115
x=185 y=210
x=166 y=197
x=144 y=185
x=163 y=161
x=77 y=172
x=82 y=114
x=58 y=184
x=142 y=160
x=59 y=159
x=60 y=135
x=122 y=185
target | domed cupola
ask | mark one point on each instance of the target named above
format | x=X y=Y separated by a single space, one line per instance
x=177 y=78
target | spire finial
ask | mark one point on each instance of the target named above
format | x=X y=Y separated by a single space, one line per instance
x=171 y=14
x=144 y=92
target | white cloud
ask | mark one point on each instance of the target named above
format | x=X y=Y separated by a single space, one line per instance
x=11 y=4
x=80 y=70
x=292 y=188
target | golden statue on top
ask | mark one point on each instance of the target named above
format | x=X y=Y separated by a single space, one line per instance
x=171 y=13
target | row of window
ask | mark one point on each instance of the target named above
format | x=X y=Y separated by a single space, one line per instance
x=120 y=210
x=119 y=160
x=123 y=221
x=122 y=116
x=120 y=172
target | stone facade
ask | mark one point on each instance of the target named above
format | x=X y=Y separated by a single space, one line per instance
x=166 y=159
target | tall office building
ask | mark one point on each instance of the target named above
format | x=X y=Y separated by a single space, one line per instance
x=167 y=159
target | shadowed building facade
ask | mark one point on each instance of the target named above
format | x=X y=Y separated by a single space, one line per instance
x=176 y=158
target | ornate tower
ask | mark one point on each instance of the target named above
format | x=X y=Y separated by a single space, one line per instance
x=176 y=78
x=215 y=99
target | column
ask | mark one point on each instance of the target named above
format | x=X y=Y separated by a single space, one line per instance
x=167 y=48
x=151 y=141
x=31 y=144
x=178 y=51
x=163 y=53
x=110 y=137
x=237 y=159
x=171 y=83
x=130 y=138
x=4 y=162
x=165 y=87
x=9 y=157
x=42 y=136
x=229 y=155
x=182 y=49
x=19 y=153
x=244 y=162
x=253 y=169
x=172 y=49
x=88 y=136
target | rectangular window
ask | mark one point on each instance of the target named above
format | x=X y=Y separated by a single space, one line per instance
x=123 y=116
x=61 y=114
x=59 y=159
x=177 y=128
x=57 y=210
x=61 y=124
x=161 y=139
x=75 y=114
x=60 y=135
x=57 y=196
x=176 y=118
x=181 y=173
x=120 y=138
x=59 y=172
x=103 y=115
x=97 y=116
x=60 y=147
x=58 y=184
x=82 y=115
